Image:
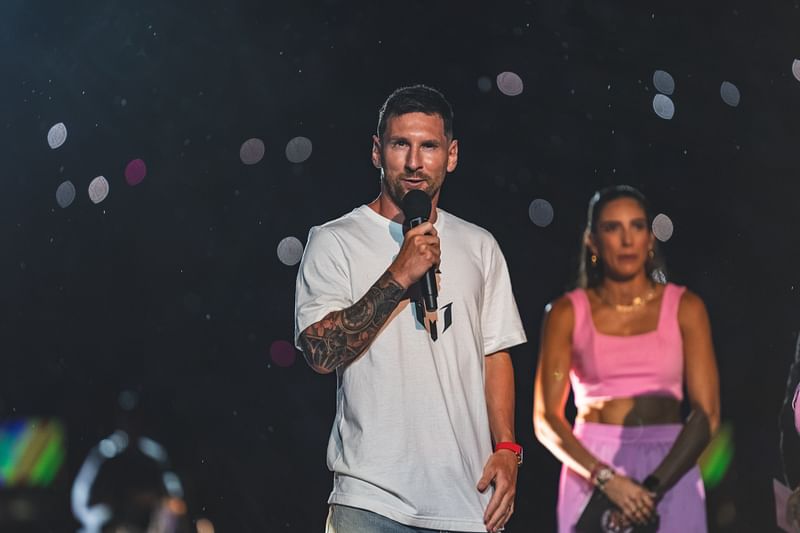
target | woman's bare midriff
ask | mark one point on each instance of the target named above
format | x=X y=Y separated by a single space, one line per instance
x=637 y=411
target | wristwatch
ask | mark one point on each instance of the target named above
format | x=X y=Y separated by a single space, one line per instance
x=603 y=476
x=512 y=446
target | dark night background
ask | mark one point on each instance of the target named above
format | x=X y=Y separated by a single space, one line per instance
x=172 y=289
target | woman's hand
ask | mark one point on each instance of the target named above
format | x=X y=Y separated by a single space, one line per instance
x=637 y=503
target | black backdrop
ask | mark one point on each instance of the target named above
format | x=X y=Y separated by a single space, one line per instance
x=173 y=290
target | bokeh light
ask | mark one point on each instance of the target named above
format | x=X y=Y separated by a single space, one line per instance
x=541 y=212
x=484 y=84
x=298 y=149
x=252 y=151
x=663 y=106
x=282 y=353
x=128 y=400
x=98 y=189
x=57 y=135
x=509 y=83
x=664 y=82
x=796 y=69
x=730 y=93
x=717 y=457
x=135 y=171
x=32 y=451
x=65 y=194
x=290 y=251
x=663 y=227
x=204 y=525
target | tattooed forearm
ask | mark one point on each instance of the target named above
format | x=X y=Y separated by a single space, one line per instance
x=343 y=335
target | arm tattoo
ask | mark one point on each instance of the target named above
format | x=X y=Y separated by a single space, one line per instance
x=343 y=335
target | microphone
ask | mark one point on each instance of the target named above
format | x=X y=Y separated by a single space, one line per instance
x=417 y=209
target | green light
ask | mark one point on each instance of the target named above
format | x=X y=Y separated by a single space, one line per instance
x=717 y=457
x=49 y=461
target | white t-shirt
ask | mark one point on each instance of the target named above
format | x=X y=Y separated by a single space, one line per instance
x=411 y=433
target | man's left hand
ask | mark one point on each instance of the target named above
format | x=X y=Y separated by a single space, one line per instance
x=501 y=471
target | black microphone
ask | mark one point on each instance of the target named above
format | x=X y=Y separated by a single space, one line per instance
x=417 y=209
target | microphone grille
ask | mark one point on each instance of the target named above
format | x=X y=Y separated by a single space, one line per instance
x=416 y=204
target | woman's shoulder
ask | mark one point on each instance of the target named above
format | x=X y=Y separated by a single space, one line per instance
x=690 y=306
x=561 y=311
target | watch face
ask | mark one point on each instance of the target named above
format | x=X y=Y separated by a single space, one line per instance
x=604 y=475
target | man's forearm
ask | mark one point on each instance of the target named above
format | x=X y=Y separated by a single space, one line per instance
x=500 y=396
x=343 y=335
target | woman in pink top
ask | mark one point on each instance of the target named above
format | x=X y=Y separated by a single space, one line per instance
x=627 y=344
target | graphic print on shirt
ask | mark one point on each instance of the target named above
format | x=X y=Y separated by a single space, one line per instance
x=430 y=321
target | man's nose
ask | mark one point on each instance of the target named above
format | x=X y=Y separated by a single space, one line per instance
x=413 y=160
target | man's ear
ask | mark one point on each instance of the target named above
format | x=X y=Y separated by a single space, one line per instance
x=452 y=155
x=377 y=159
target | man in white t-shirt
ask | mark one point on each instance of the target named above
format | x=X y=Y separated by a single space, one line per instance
x=423 y=437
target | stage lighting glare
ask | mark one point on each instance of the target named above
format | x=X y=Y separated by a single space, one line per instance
x=664 y=82
x=298 y=149
x=252 y=151
x=135 y=171
x=484 y=84
x=796 y=69
x=98 y=189
x=509 y=83
x=663 y=106
x=282 y=353
x=65 y=194
x=662 y=227
x=541 y=212
x=57 y=135
x=730 y=93
x=204 y=525
x=290 y=251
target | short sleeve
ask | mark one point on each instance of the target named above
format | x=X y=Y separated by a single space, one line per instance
x=500 y=321
x=322 y=280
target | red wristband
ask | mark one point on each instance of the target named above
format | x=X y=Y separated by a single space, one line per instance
x=512 y=446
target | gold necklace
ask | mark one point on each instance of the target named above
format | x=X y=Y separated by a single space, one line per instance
x=637 y=303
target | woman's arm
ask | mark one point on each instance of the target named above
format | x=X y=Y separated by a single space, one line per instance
x=551 y=426
x=702 y=382
x=552 y=390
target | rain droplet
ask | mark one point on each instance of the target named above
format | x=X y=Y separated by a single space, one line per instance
x=298 y=149
x=662 y=227
x=509 y=83
x=135 y=172
x=98 y=189
x=663 y=82
x=57 y=135
x=541 y=212
x=282 y=353
x=290 y=251
x=252 y=151
x=730 y=93
x=65 y=194
x=484 y=84
x=663 y=106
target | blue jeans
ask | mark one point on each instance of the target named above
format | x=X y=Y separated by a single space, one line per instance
x=342 y=519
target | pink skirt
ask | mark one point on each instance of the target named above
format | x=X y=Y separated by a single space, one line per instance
x=634 y=452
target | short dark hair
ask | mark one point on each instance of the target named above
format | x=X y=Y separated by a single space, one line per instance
x=591 y=275
x=416 y=99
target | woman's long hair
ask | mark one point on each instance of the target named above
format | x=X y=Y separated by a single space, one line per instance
x=591 y=275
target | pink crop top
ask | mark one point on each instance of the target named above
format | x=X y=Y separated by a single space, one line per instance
x=612 y=366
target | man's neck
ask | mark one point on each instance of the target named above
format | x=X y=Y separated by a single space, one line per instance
x=385 y=207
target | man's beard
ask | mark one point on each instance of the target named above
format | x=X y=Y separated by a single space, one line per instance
x=396 y=191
